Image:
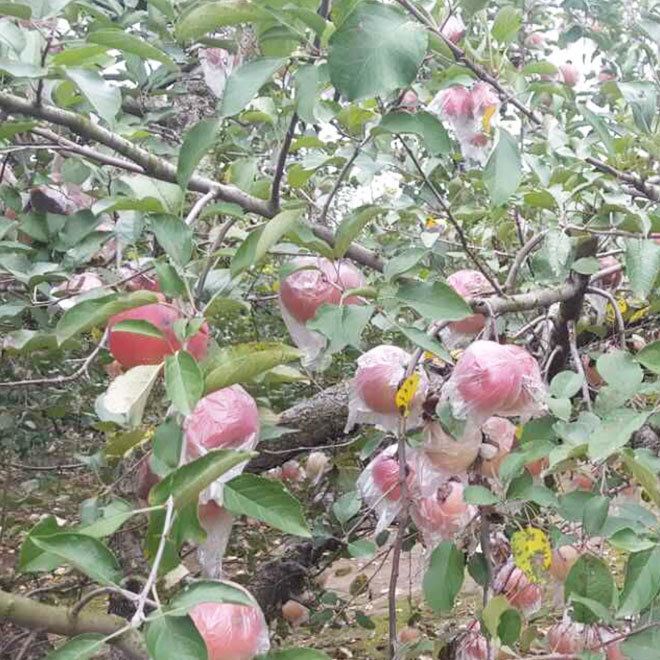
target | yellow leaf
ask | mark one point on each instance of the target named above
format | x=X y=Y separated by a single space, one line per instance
x=96 y=334
x=431 y=223
x=406 y=393
x=488 y=115
x=622 y=304
x=532 y=553
x=639 y=314
x=519 y=431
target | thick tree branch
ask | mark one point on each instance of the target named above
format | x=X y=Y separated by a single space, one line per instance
x=152 y=165
x=33 y=615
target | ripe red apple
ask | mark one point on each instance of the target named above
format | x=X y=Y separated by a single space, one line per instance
x=409 y=101
x=230 y=631
x=570 y=74
x=454 y=456
x=408 y=635
x=131 y=349
x=536 y=467
x=225 y=419
x=490 y=378
x=613 y=280
x=321 y=281
x=295 y=613
x=469 y=283
x=472 y=645
x=521 y=593
x=378 y=376
x=385 y=474
x=566 y=637
x=503 y=433
x=444 y=514
x=453 y=29
x=563 y=559
x=292 y=471
x=535 y=40
x=145 y=479
x=455 y=103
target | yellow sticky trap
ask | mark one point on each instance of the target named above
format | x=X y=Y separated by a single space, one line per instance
x=639 y=314
x=531 y=552
x=488 y=115
x=405 y=394
x=622 y=304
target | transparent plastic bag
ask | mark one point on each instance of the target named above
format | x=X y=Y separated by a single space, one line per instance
x=449 y=455
x=217 y=522
x=225 y=419
x=519 y=590
x=231 y=631
x=378 y=376
x=494 y=379
x=500 y=434
x=443 y=515
x=316 y=281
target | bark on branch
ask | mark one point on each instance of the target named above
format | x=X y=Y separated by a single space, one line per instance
x=27 y=613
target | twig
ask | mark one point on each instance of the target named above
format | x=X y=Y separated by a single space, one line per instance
x=198 y=207
x=341 y=176
x=32 y=636
x=47 y=468
x=579 y=367
x=210 y=259
x=617 y=312
x=90 y=596
x=59 y=380
x=450 y=216
x=281 y=162
x=521 y=258
x=153 y=165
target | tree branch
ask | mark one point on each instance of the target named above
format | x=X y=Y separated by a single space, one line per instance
x=153 y=165
x=281 y=162
x=33 y=615
x=519 y=261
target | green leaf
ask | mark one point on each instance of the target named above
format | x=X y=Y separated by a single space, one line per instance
x=174 y=638
x=174 y=236
x=642 y=582
x=435 y=301
x=265 y=500
x=649 y=357
x=507 y=24
x=138 y=327
x=509 y=627
x=642 y=257
x=647 y=479
x=402 y=263
x=129 y=43
x=245 y=82
x=188 y=481
x=642 y=645
x=444 y=577
x=479 y=495
x=614 y=432
x=91 y=313
x=80 y=647
x=351 y=226
x=589 y=577
x=620 y=370
x=31 y=558
x=600 y=128
x=85 y=553
x=183 y=381
x=197 y=141
x=209 y=16
x=492 y=613
x=10 y=128
x=241 y=363
x=307 y=83
x=566 y=384
x=376 y=50
x=595 y=514
x=341 y=324
x=423 y=340
x=347 y=506
x=15 y=9
x=207 y=591
x=126 y=397
x=471 y=7
x=433 y=135
x=104 y=97
x=22 y=69
x=112 y=517
x=503 y=169
x=586 y=265
x=256 y=245
x=362 y=548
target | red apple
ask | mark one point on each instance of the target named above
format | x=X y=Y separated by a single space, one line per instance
x=295 y=613
x=131 y=349
x=321 y=281
x=453 y=29
x=570 y=74
x=225 y=419
x=469 y=283
x=230 y=631
x=503 y=433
